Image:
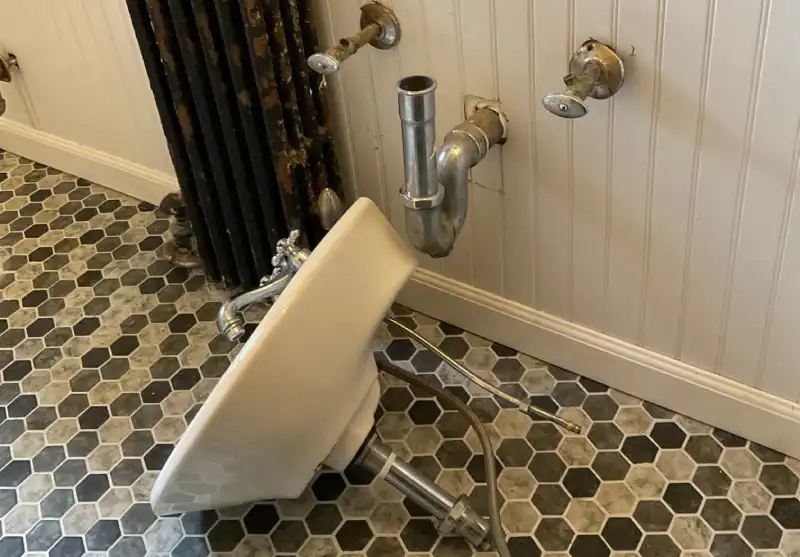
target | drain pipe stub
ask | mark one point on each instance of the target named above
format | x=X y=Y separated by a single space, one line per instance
x=494 y=107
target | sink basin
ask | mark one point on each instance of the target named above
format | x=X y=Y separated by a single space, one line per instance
x=303 y=391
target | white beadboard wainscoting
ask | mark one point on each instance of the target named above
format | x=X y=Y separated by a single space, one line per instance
x=653 y=244
x=81 y=101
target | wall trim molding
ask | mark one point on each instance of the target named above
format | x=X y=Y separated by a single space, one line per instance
x=698 y=393
x=100 y=167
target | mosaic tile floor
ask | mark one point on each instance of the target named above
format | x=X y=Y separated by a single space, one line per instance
x=106 y=352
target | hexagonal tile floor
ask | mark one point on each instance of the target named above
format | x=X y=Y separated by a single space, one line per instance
x=106 y=353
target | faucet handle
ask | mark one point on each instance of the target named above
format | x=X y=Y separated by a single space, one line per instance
x=290 y=242
x=289 y=256
x=379 y=27
x=596 y=71
x=567 y=104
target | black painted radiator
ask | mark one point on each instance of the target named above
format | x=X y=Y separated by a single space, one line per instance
x=244 y=119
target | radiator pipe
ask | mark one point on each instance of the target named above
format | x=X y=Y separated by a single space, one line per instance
x=436 y=189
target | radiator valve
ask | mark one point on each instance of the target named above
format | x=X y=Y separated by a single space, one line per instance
x=180 y=250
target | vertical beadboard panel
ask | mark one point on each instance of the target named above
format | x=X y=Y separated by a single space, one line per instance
x=357 y=107
x=49 y=73
x=101 y=66
x=442 y=32
x=486 y=206
x=383 y=71
x=634 y=125
x=515 y=85
x=687 y=32
x=781 y=356
x=590 y=168
x=147 y=123
x=441 y=29
x=478 y=31
x=485 y=213
x=552 y=200
x=727 y=128
x=770 y=168
x=82 y=77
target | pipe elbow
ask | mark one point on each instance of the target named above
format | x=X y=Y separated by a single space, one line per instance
x=429 y=231
x=434 y=231
x=456 y=156
x=451 y=163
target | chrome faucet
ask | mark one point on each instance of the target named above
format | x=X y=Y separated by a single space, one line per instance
x=436 y=190
x=288 y=258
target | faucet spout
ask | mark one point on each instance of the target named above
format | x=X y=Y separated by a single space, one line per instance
x=229 y=319
x=288 y=259
x=436 y=190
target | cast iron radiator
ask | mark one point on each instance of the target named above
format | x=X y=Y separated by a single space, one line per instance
x=244 y=119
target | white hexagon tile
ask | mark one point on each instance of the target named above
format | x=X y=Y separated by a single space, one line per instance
x=107 y=351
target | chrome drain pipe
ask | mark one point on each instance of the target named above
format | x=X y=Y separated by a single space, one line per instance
x=455 y=516
x=436 y=189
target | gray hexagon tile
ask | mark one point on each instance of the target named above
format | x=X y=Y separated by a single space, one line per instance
x=107 y=351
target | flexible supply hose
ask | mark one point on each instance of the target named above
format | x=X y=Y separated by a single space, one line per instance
x=496 y=526
x=529 y=409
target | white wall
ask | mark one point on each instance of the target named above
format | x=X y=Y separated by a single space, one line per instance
x=81 y=101
x=666 y=218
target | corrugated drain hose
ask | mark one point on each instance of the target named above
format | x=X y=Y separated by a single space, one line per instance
x=496 y=527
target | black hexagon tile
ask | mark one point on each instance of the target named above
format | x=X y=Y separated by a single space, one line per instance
x=107 y=351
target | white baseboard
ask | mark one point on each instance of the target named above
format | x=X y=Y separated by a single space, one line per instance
x=110 y=171
x=691 y=391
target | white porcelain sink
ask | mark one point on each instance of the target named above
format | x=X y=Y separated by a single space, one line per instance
x=303 y=390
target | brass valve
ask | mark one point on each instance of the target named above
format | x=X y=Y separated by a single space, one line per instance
x=379 y=27
x=596 y=71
